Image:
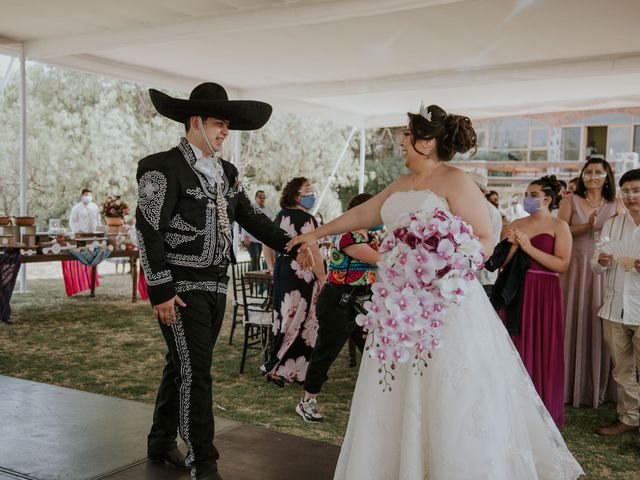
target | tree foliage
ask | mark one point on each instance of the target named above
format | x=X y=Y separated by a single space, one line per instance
x=89 y=131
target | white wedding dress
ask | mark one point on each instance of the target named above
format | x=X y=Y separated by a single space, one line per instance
x=473 y=415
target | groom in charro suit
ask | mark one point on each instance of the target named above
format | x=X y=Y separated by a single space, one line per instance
x=188 y=199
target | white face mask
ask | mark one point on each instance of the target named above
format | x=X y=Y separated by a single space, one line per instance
x=86 y=199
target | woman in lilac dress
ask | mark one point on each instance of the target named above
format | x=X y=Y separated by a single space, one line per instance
x=539 y=338
x=587 y=361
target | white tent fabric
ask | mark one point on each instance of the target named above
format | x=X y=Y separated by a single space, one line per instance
x=359 y=62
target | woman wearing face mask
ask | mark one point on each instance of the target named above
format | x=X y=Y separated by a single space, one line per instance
x=587 y=362
x=295 y=291
x=538 y=331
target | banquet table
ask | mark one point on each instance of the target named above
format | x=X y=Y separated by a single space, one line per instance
x=131 y=254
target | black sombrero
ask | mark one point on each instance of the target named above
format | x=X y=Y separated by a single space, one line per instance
x=211 y=100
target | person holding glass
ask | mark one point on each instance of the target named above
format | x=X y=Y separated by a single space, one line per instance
x=587 y=361
x=620 y=313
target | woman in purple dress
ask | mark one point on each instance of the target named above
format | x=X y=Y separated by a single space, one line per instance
x=540 y=340
x=587 y=361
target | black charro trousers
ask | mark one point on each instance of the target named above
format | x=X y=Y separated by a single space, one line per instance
x=336 y=324
x=184 y=401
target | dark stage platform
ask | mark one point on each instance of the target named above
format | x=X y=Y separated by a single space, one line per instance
x=55 y=433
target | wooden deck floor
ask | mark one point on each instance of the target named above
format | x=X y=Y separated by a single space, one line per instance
x=55 y=433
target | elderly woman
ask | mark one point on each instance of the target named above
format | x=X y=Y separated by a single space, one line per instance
x=295 y=291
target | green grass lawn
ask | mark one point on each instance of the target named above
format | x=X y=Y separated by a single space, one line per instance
x=110 y=346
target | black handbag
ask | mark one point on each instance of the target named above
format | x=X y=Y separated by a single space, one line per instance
x=359 y=301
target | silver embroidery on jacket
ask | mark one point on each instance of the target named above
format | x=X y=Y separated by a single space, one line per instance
x=196 y=192
x=179 y=223
x=152 y=279
x=152 y=189
x=208 y=247
x=175 y=239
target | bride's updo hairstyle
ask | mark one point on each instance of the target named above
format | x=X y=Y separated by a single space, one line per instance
x=551 y=187
x=452 y=133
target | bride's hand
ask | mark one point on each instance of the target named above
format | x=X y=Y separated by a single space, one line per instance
x=305 y=241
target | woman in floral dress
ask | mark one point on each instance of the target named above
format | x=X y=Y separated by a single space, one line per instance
x=295 y=291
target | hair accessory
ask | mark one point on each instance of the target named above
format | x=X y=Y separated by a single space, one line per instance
x=424 y=112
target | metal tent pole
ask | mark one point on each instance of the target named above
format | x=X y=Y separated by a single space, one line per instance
x=363 y=144
x=23 y=154
x=331 y=177
x=237 y=143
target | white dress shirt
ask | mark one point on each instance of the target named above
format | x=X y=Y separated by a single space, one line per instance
x=622 y=289
x=210 y=167
x=485 y=276
x=84 y=217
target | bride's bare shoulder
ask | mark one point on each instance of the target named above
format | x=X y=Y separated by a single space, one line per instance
x=400 y=184
x=451 y=175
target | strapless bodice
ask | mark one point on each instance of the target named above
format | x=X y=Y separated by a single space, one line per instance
x=407 y=202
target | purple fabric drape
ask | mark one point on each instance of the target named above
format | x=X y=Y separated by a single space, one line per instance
x=9 y=268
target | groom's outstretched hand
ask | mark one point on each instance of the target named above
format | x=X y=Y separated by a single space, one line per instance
x=305 y=241
x=305 y=258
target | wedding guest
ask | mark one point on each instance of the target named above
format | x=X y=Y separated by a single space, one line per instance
x=84 y=218
x=85 y=215
x=572 y=185
x=251 y=243
x=295 y=291
x=538 y=333
x=351 y=273
x=620 y=312
x=493 y=198
x=587 y=362
x=563 y=189
x=487 y=278
x=561 y=195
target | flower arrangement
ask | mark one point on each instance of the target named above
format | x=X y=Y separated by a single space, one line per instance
x=114 y=207
x=427 y=262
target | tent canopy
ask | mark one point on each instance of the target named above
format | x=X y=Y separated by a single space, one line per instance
x=361 y=62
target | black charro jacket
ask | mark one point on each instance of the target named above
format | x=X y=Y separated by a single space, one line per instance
x=177 y=222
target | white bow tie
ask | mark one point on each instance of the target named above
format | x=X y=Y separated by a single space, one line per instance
x=210 y=168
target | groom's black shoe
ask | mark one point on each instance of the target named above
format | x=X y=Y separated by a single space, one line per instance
x=174 y=458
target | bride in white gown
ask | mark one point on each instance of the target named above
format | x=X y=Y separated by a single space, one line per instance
x=474 y=413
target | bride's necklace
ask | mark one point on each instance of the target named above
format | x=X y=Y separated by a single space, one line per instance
x=415 y=177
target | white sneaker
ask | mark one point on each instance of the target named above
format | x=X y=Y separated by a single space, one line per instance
x=308 y=410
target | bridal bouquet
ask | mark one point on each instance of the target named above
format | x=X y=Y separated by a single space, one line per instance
x=428 y=261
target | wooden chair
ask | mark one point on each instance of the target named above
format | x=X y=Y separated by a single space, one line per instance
x=257 y=304
x=237 y=270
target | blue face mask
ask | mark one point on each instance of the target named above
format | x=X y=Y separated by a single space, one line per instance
x=531 y=205
x=308 y=201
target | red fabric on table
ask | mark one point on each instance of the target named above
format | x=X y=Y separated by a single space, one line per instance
x=142 y=286
x=77 y=277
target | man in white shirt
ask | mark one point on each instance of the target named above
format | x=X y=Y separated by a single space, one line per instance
x=85 y=215
x=487 y=278
x=620 y=311
x=251 y=243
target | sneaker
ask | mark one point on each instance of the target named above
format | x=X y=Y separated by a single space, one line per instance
x=308 y=410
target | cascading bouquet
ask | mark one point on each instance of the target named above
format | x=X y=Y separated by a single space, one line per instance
x=428 y=261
